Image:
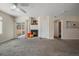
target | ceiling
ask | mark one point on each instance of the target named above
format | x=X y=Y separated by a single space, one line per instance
x=42 y=9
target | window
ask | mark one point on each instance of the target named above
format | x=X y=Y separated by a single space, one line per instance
x=1 y=24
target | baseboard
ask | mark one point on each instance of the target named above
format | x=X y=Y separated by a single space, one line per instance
x=7 y=41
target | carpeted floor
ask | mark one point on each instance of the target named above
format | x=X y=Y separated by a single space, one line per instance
x=40 y=47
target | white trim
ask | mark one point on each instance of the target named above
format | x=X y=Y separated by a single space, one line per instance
x=1 y=27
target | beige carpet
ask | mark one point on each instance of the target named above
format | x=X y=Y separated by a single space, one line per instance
x=40 y=47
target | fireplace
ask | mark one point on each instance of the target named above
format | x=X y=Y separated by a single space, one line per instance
x=35 y=33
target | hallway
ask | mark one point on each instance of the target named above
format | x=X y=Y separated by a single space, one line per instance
x=39 y=47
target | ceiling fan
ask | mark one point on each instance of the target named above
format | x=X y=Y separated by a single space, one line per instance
x=15 y=6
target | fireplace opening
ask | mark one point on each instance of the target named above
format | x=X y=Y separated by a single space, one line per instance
x=35 y=33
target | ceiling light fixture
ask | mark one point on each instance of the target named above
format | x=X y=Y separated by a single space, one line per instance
x=15 y=7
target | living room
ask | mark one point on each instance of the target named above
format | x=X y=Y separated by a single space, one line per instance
x=39 y=29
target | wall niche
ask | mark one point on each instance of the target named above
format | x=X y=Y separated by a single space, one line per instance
x=34 y=21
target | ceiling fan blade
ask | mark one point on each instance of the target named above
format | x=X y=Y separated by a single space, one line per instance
x=21 y=9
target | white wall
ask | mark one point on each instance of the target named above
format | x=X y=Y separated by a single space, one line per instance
x=56 y=28
x=51 y=27
x=8 y=27
x=69 y=33
x=21 y=19
x=44 y=27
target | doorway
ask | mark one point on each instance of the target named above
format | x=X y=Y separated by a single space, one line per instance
x=57 y=29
